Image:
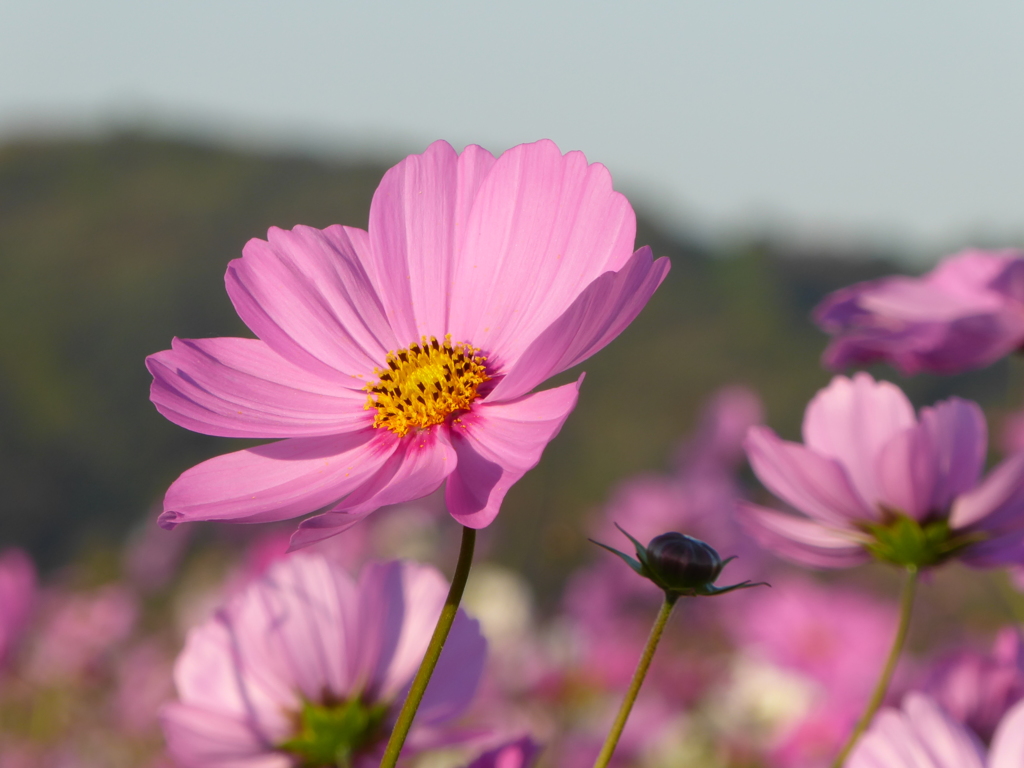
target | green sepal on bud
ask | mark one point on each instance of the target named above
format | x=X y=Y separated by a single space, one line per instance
x=904 y=541
x=680 y=565
x=331 y=735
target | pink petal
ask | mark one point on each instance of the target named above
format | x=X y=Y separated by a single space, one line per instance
x=801 y=541
x=815 y=485
x=457 y=676
x=906 y=473
x=1008 y=742
x=399 y=606
x=542 y=228
x=295 y=624
x=999 y=498
x=278 y=480
x=399 y=603
x=212 y=675
x=599 y=314
x=305 y=292
x=851 y=420
x=419 y=465
x=417 y=220
x=959 y=437
x=198 y=737
x=949 y=743
x=241 y=388
x=497 y=444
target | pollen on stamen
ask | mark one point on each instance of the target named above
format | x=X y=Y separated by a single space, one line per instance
x=425 y=383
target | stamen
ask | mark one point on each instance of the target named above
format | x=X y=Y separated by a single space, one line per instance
x=425 y=384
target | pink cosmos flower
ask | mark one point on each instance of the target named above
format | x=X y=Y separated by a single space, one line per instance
x=873 y=478
x=307 y=666
x=396 y=358
x=966 y=313
x=17 y=598
x=979 y=688
x=922 y=735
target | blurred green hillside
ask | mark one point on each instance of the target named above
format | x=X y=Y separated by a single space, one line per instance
x=109 y=248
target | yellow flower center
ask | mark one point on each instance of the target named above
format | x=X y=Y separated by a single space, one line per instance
x=424 y=384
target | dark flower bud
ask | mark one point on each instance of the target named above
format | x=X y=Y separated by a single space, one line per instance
x=679 y=564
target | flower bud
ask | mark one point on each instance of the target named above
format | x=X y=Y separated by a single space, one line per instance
x=679 y=564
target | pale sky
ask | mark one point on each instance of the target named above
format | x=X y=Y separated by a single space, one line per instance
x=875 y=120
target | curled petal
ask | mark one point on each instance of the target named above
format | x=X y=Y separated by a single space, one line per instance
x=599 y=314
x=234 y=387
x=802 y=541
x=421 y=462
x=816 y=485
x=306 y=293
x=497 y=444
x=278 y=480
x=996 y=503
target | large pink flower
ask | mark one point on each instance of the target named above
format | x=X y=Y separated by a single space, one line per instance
x=873 y=478
x=396 y=358
x=966 y=313
x=922 y=735
x=307 y=662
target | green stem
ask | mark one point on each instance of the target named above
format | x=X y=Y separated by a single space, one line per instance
x=444 y=625
x=906 y=602
x=634 y=685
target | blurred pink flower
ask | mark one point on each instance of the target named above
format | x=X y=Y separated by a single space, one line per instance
x=17 y=598
x=515 y=754
x=837 y=637
x=966 y=313
x=922 y=735
x=80 y=631
x=871 y=477
x=143 y=685
x=394 y=359
x=979 y=688
x=307 y=659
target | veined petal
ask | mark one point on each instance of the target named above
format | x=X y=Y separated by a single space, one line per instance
x=278 y=480
x=599 y=314
x=802 y=541
x=543 y=227
x=421 y=462
x=851 y=420
x=417 y=219
x=815 y=485
x=497 y=444
x=233 y=387
x=1008 y=742
x=306 y=293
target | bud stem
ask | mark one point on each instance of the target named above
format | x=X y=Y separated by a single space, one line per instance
x=906 y=602
x=634 y=685
x=437 y=640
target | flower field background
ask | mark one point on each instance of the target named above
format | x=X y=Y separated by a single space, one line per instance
x=108 y=248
